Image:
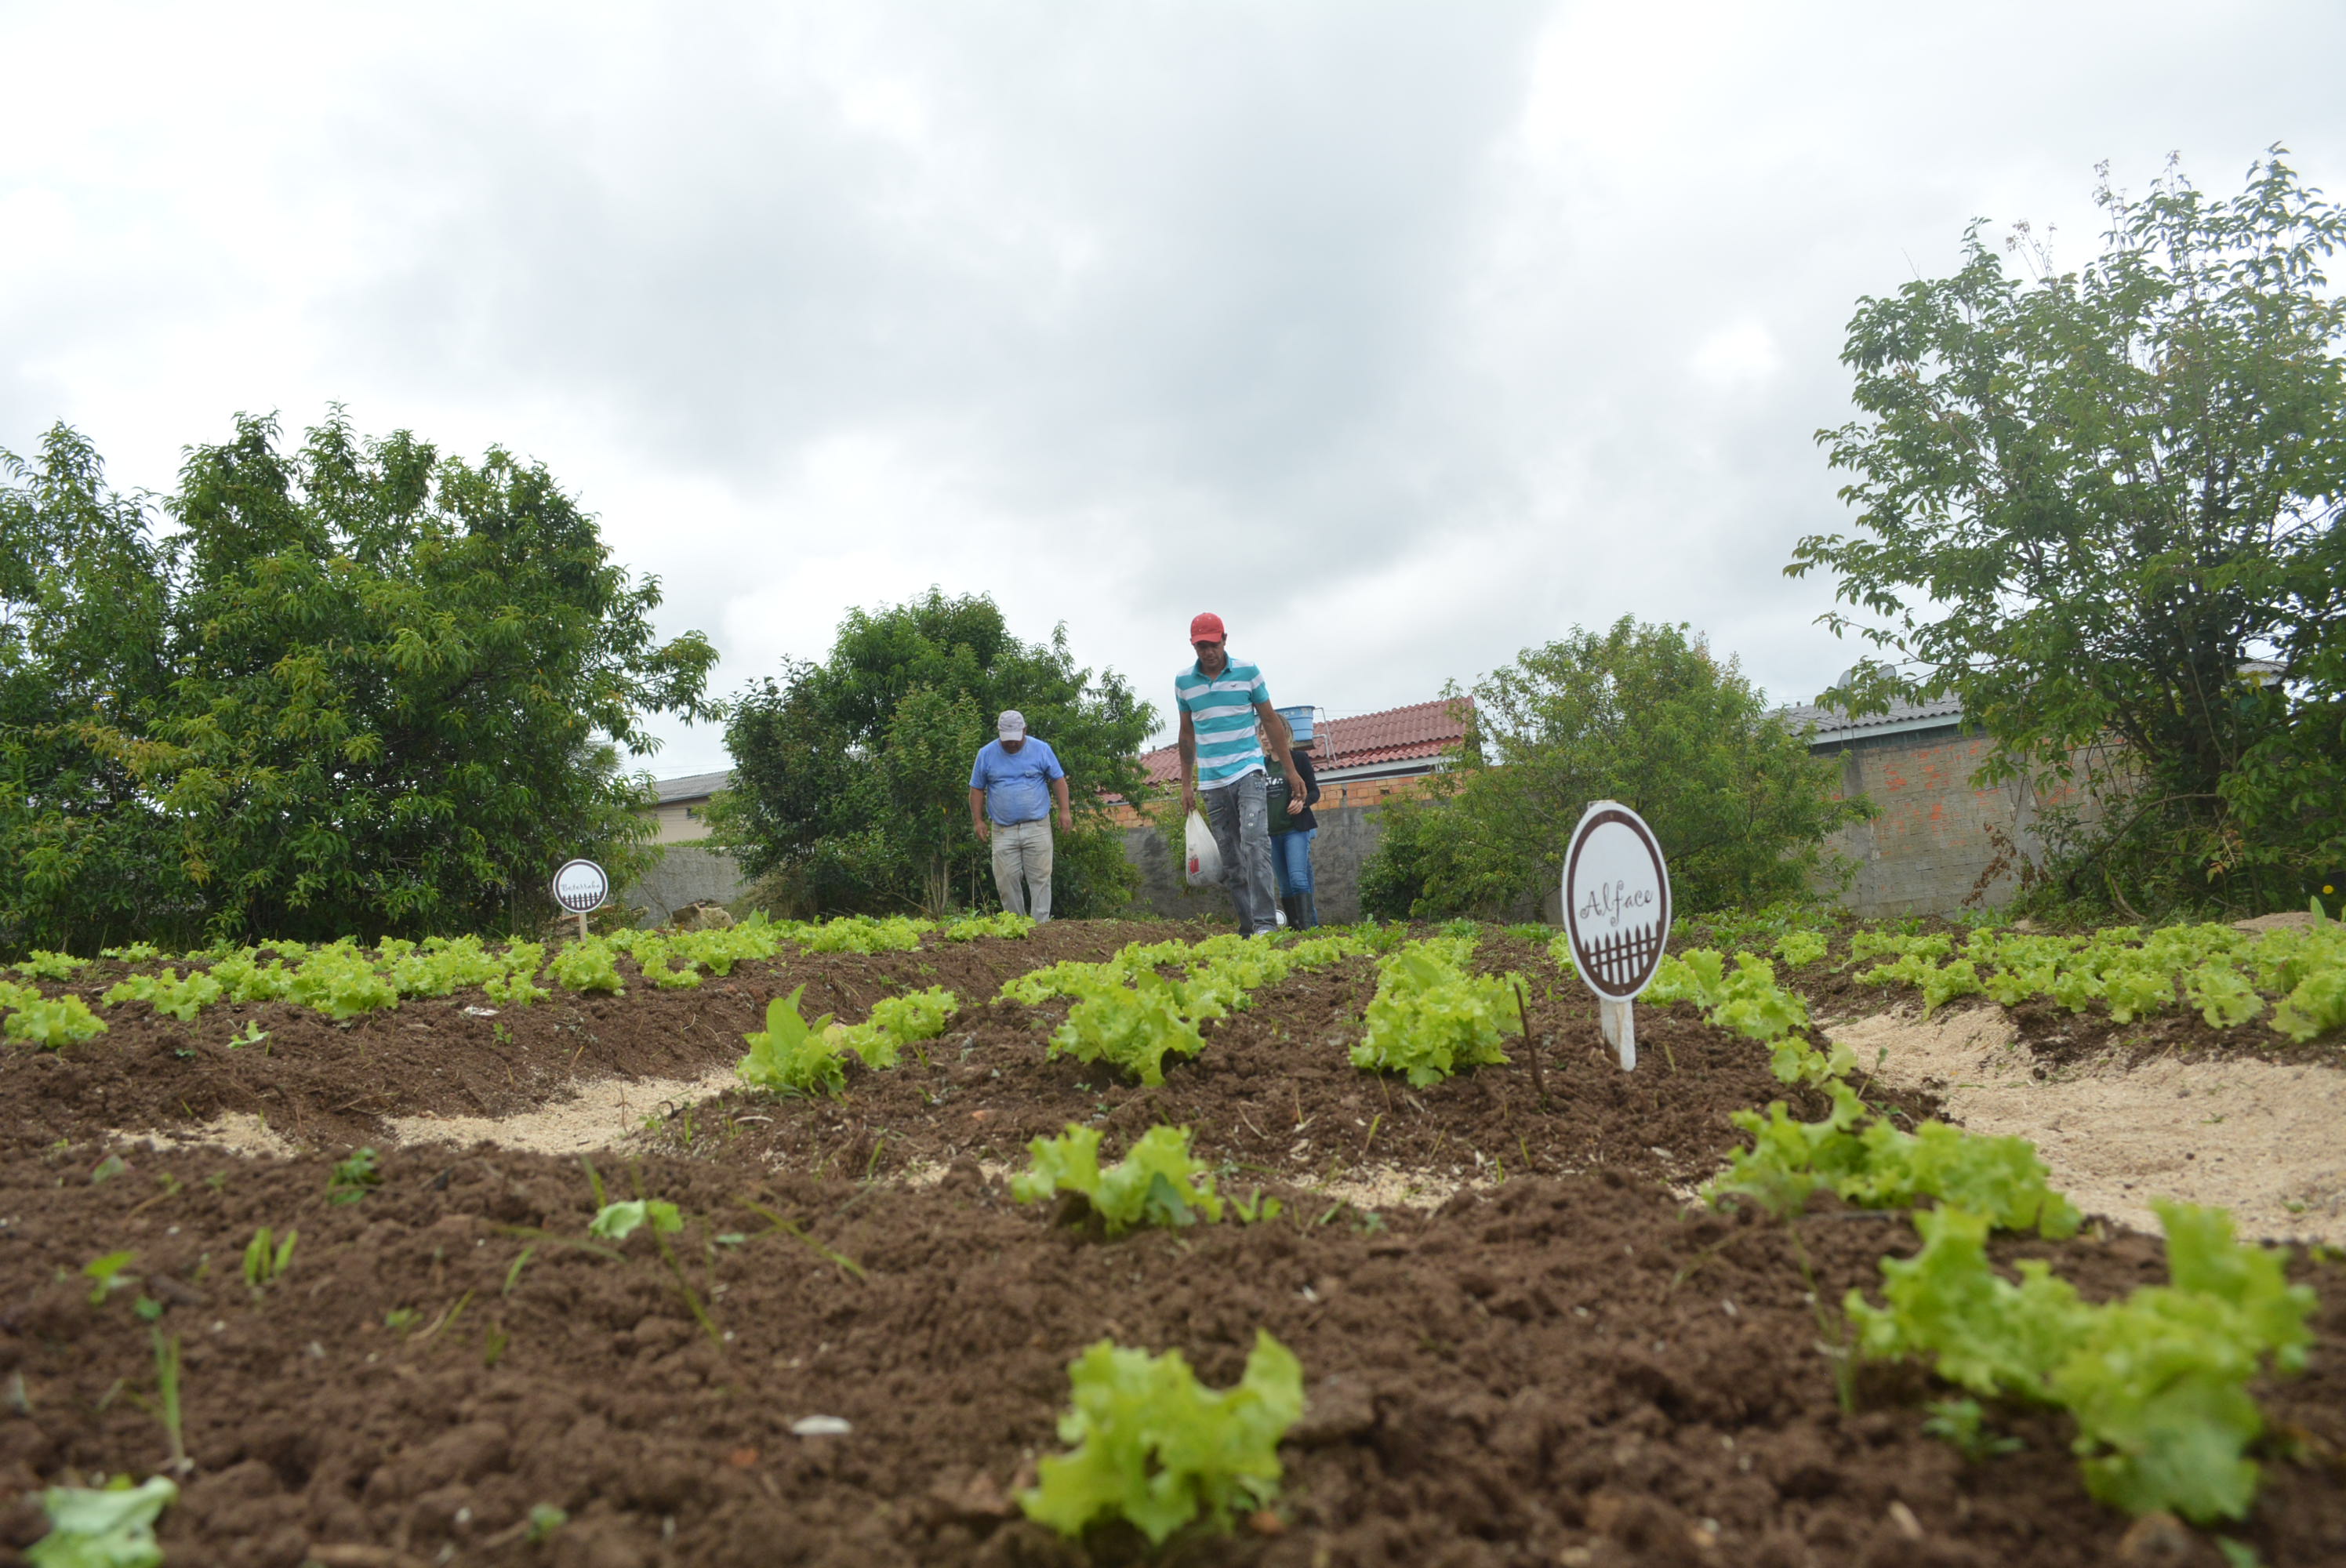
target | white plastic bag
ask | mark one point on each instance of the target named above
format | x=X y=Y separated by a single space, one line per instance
x=1205 y=855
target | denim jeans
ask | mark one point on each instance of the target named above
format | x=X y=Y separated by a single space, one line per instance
x=1022 y=866
x=1241 y=827
x=1290 y=853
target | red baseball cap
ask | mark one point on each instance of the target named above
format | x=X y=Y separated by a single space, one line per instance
x=1207 y=629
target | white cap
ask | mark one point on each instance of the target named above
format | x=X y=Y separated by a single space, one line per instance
x=1011 y=726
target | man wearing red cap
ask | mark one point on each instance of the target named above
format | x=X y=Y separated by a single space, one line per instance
x=1223 y=701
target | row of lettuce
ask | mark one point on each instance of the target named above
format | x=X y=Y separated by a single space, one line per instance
x=2156 y=1383
x=342 y=979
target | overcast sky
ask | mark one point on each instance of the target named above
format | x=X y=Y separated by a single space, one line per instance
x=1405 y=336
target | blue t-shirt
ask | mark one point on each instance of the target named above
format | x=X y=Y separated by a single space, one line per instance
x=1017 y=784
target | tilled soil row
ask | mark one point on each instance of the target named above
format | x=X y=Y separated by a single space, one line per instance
x=1274 y=1091
x=1574 y=1370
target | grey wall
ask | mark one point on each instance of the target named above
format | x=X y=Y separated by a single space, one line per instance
x=1347 y=834
x=687 y=873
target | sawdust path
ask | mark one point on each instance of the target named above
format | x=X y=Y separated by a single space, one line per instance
x=2266 y=1141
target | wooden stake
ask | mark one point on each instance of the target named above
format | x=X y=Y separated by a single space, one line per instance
x=1619 y=1022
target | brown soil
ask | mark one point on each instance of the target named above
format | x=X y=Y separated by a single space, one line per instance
x=1569 y=1369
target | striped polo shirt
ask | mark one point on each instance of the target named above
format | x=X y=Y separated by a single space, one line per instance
x=1221 y=712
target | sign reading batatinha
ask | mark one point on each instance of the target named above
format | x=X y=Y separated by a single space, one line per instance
x=582 y=887
x=1616 y=911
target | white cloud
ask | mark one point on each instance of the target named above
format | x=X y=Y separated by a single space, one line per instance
x=1405 y=337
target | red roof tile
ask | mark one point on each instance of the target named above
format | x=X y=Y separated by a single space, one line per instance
x=1423 y=729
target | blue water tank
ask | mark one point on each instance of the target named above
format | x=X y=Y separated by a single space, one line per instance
x=1299 y=720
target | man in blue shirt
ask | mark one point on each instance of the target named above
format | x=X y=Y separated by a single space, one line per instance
x=1223 y=702
x=1011 y=787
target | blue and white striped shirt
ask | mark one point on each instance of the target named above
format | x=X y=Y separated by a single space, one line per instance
x=1221 y=713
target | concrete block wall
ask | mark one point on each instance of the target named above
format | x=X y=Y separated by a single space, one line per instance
x=1347 y=835
x=687 y=873
x=1935 y=836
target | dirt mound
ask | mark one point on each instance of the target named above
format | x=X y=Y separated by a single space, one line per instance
x=1569 y=1370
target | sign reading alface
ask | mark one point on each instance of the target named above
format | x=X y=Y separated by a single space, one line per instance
x=1616 y=901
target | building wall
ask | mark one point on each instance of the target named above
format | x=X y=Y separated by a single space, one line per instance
x=686 y=874
x=1347 y=834
x=680 y=821
x=1937 y=843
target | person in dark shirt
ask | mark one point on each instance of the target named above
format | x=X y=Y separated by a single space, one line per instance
x=1292 y=824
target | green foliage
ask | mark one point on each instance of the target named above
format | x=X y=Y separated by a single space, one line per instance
x=851 y=777
x=166 y=993
x=354 y=685
x=1153 y=1447
x=897 y=1022
x=2085 y=500
x=2157 y=1382
x=619 y=1221
x=588 y=966
x=113 y=1528
x=517 y=985
x=792 y=1056
x=1155 y=1184
x=1129 y=1015
x=2222 y=973
x=1872 y=1163
x=1002 y=924
x=858 y=934
x=341 y=982
x=1646 y=715
x=136 y=952
x=43 y=965
x=1799 y=949
x=110 y=1273
x=1962 y=1425
x=51 y=1024
x=1430 y=1016
x=1131 y=1027
x=355 y=1177
x=1746 y=1000
x=266 y=1259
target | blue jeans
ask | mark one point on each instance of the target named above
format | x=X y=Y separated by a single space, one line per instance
x=1242 y=832
x=1291 y=855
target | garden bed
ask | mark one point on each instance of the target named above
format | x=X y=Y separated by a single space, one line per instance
x=1561 y=1362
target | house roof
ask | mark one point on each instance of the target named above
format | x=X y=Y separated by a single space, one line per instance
x=692 y=786
x=1826 y=725
x=1421 y=730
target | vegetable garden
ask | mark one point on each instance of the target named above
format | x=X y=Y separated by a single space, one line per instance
x=1092 y=1243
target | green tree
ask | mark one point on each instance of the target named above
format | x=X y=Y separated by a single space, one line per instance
x=2087 y=500
x=1644 y=715
x=361 y=688
x=850 y=782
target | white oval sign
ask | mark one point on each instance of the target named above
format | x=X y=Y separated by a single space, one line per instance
x=1616 y=901
x=582 y=887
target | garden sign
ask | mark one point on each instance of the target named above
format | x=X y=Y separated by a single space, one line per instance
x=1616 y=912
x=582 y=887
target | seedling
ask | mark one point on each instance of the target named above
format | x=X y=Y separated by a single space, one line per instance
x=1963 y=1425
x=355 y=1177
x=545 y=1519
x=266 y=1259
x=113 y=1528
x=166 y=1390
x=111 y=1274
x=253 y=1036
x=401 y=1319
x=1257 y=1209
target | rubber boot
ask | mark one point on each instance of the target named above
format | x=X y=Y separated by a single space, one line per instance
x=1311 y=909
x=1298 y=910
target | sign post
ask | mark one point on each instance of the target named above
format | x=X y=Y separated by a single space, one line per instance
x=582 y=887
x=1616 y=912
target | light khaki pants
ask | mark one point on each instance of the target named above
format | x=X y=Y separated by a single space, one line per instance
x=1022 y=867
